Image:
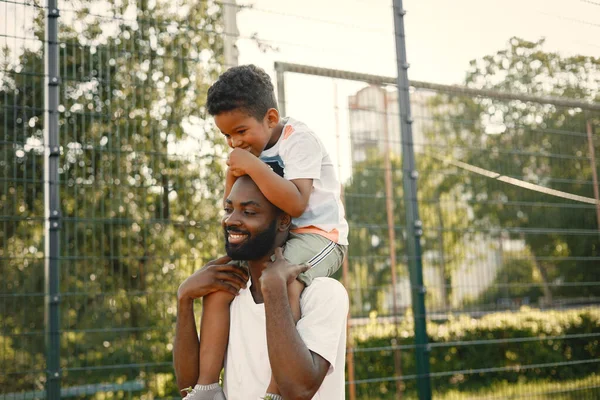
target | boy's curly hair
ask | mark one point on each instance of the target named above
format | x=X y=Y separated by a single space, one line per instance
x=246 y=87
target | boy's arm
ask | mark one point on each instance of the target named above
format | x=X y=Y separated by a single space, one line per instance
x=215 y=275
x=186 y=346
x=230 y=179
x=289 y=196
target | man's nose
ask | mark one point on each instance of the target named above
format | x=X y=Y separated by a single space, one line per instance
x=232 y=219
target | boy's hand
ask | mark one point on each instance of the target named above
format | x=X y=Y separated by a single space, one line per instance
x=230 y=179
x=280 y=271
x=240 y=161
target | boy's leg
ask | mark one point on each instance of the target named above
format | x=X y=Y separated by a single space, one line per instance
x=294 y=291
x=324 y=257
x=214 y=335
x=206 y=392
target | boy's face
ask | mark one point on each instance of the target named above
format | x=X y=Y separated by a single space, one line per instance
x=246 y=132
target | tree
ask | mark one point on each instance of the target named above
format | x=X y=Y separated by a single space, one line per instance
x=365 y=198
x=141 y=173
x=369 y=252
x=538 y=143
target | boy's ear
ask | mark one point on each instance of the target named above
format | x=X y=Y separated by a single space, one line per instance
x=284 y=222
x=272 y=117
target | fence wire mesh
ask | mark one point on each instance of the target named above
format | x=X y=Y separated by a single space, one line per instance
x=506 y=191
x=510 y=238
x=140 y=176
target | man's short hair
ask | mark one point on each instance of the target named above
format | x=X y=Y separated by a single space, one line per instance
x=246 y=87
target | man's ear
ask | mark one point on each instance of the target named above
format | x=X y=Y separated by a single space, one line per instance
x=284 y=222
x=272 y=117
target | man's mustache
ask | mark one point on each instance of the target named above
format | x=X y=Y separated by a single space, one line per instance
x=236 y=230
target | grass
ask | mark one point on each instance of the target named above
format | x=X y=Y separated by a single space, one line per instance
x=576 y=389
x=587 y=388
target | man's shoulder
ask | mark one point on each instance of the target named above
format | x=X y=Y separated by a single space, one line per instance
x=327 y=290
x=325 y=283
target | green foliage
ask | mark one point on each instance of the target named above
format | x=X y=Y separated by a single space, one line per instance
x=141 y=176
x=459 y=347
x=369 y=254
x=516 y=281
x=539 y=143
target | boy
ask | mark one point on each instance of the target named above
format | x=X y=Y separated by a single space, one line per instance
x=243 y=104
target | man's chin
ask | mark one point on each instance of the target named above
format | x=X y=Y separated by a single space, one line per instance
x=234 y=256
x=241 y=253
x=236 y=252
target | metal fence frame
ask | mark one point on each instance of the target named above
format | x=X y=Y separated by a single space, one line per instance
x=410 y=174
x=52 y=203
x=52 y=193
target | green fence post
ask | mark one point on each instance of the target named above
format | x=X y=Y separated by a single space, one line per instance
x=413 y=223
x=52 y=205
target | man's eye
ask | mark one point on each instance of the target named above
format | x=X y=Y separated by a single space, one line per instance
x=249 y=212
x=227 y=210
x=242 y=131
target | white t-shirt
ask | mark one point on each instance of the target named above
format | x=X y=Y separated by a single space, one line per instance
x=324 y=306
x=302 y=156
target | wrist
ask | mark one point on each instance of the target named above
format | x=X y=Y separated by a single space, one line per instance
x=182 y=296
x=185 y=304
x=229 y=175
x=255 y=166
x=272 y=285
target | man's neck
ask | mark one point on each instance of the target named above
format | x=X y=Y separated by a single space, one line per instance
x=256 y=267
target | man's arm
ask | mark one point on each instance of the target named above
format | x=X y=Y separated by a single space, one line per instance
x=299 y=379
x=186 y=346
x=302 y=378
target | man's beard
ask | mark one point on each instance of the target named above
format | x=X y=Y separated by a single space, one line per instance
x=254 y=247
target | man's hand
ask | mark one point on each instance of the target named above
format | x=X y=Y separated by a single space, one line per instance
x=215 y=275
x=240 y=162
x=280 y=271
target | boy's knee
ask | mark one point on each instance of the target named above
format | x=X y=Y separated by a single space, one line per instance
x=218 y=298
x=295 y=289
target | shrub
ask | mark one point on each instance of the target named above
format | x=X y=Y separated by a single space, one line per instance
x=504 y=347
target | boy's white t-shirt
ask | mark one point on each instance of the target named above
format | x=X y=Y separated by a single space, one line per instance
x=324 y=306
x=301 y=154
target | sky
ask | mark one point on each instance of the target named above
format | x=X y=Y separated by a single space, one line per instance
x=442 y=36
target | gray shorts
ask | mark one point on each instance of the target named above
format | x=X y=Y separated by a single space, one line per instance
x=322 y=255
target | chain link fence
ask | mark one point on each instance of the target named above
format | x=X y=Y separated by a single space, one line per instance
x=140 y=174
x=507 y=193
x=508 y=201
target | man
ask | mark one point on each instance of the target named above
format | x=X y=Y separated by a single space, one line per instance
x=307 y=359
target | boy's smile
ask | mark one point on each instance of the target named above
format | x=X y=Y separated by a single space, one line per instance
x=246 y=132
